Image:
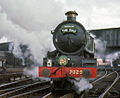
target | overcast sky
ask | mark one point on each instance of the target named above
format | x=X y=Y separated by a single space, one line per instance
x=37 y=14
x=96 y=13
x=30 y=21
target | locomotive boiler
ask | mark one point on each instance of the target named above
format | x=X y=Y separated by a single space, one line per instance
x=74 y=54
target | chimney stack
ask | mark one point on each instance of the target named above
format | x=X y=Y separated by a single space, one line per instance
x=71 y=15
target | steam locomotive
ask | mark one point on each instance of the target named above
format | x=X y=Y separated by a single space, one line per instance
x=74 y=54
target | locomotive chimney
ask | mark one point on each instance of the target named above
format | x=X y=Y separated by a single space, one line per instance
x=71 y=15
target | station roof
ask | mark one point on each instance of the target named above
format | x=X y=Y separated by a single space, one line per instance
x=114 y=28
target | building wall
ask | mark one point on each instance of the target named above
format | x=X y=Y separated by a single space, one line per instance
x=111 y=36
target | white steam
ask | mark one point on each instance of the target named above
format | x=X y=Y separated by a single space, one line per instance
x=3 y=40
x=33 y=72
x=38 y=42
x=81 y=84
x=30 y=22
x=100 y=46
x=113 y=56
x=18 y=52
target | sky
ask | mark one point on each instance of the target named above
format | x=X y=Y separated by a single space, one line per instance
x=36 y=14
x=95 y=14
x=30 y=21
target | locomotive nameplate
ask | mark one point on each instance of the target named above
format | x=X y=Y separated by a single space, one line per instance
x=75 y=72
x=69 y=29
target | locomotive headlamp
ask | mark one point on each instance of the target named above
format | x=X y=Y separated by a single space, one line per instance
x=46 y=72
x=49 y=62
x=86 y=73
x=63 y=60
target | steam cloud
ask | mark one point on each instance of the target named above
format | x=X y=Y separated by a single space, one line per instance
x=3 y=39
x=29 y=22
x=112 y=56
x=100 y=46
x=18 y=53
x=33 y=73
x=81 y=85
x=26 y=22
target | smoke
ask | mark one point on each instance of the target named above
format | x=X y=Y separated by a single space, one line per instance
x=100 y=46
x=18 y=52
x=3 y=39
x=18 y=34
x=34 y=73
x=30 y=22
x=33 y=15
x=113 y=56
x=81 y=84
x=31 y=71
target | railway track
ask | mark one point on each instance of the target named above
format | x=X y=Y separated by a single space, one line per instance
x=26 y=90
x=38 y=93
x=9 y=77
x=101 y=76
x=107 y=79
x=14 y=85
x=103 y=86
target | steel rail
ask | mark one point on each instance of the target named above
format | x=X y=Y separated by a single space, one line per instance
x=102 y=83
x=49 y=95
x=23 y=89
x=69 y=95
x=106 y=72
x=102 y=78
x=103 y=95
x=32 y=92
x=15 y=83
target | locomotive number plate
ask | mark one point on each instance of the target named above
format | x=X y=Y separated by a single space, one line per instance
x=75 y=72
